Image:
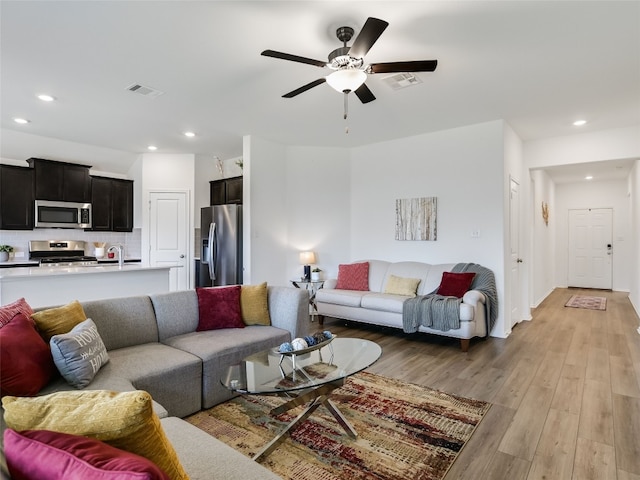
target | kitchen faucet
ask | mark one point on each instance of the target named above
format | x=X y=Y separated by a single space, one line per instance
x=120 y=249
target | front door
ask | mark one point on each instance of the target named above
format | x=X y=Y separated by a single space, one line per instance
x=590 y=248
x=168 y=235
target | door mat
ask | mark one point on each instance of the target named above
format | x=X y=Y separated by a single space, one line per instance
x=587 y=301
x=405 y=431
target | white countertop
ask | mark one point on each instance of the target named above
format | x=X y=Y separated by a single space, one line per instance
x=22 y=272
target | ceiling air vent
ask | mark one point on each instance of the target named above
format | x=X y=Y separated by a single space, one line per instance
x=401 y=80
x=145 y=91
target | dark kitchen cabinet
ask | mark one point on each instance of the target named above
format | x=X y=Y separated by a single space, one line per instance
x=16 y=198
x=225 y=191
x=60 y=181
x=112 y=204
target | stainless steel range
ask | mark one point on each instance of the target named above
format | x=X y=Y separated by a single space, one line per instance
x=59 y=253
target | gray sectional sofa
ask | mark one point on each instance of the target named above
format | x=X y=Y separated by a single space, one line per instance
x=153 y=345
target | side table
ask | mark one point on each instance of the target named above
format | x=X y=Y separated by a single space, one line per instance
x=312 y=286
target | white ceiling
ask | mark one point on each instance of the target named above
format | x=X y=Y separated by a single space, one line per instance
x=539 y=65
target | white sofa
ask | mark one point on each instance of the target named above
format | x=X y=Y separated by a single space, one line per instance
x=375 y=307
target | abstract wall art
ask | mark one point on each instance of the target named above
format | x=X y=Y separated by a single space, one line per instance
x=416 y=219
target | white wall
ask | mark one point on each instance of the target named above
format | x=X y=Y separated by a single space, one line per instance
x=464 y=169
x=589 y=194
x=318 y=207
x=605 y=145
x=265 y=223
x=543 y=237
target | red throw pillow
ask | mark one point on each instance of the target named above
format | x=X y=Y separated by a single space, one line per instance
x=46 y=455
x=7 y=312
x=455 y=284
x=219 y=307
x=353 y=276
x=26 y=364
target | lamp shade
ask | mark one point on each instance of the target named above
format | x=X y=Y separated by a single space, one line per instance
x=347 y=80
x=307 y=258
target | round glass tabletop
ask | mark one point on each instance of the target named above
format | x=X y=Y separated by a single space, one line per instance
x=272 y=372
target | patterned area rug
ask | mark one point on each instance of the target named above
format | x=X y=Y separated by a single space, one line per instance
x=406 y=431
x=587 y=301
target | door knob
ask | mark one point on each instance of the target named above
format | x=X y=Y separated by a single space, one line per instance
x=519 y=260
x=182 y=256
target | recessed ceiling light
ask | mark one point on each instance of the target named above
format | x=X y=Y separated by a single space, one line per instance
x=152 y=147
x=46 y=98
x=579 y=123
x=588 y=177
x=21 y=121
x=189 y=134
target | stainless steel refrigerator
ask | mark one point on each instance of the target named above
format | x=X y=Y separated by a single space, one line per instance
x=221 y=249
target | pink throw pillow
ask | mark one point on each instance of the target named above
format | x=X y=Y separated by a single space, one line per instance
x=47 y=455
x=7 y=312
x=353 y=276
x=26 y=364
x=219 y=307
x=455 y=284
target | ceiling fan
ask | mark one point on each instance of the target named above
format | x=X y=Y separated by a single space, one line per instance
x=349 y=68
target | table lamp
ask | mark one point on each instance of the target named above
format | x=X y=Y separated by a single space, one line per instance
x=306 y=259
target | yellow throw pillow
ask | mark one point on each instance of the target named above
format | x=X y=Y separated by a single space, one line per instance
x=402 y=286
x=55 y=321
x=124 y=420
x=254 y=305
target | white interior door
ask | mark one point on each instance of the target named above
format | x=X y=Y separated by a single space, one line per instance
x=168 y=235
x=590 y=248
x=514 y=245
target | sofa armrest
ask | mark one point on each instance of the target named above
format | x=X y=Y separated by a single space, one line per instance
x=289 y=309
x=473 y=297
x=331 y=283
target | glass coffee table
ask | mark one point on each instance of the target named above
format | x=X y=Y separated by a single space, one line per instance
x=307 y=378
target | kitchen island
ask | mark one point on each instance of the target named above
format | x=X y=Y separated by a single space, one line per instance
x=46 y=286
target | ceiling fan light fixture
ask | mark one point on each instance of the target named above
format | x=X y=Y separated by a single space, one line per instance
x=347 y=80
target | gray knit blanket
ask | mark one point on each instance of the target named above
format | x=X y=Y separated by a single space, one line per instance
x=443 y=313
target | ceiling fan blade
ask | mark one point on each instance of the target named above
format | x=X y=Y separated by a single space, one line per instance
x=370 y=32
x=364 y=94
x=293 y=58
x=393 y=67
x=304 y=88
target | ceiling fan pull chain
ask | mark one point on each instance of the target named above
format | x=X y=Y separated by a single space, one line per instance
x=346 y=109
x=346 y=104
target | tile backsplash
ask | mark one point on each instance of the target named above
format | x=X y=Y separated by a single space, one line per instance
x=19 y=239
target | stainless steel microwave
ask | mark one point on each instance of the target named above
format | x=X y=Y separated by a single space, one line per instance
x=62 y=214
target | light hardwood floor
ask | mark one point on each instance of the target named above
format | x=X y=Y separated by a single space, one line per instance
x=564 y=389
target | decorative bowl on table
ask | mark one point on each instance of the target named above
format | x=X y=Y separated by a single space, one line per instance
x=300 y=348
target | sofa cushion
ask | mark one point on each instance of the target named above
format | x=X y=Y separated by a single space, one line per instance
x=79 y=354
x=173 y=377
x=384 y=302
x=54 y=321
x=253 y=304
x=349 y=298
x=176 y=313
x=123 y=322
x=401 y=286
x=455 y=284
x=124 y=420
x=353 y=276
x=10 y=310
x=47 y=455
x=219 y=307
x=25 y=359
x=220 y=348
